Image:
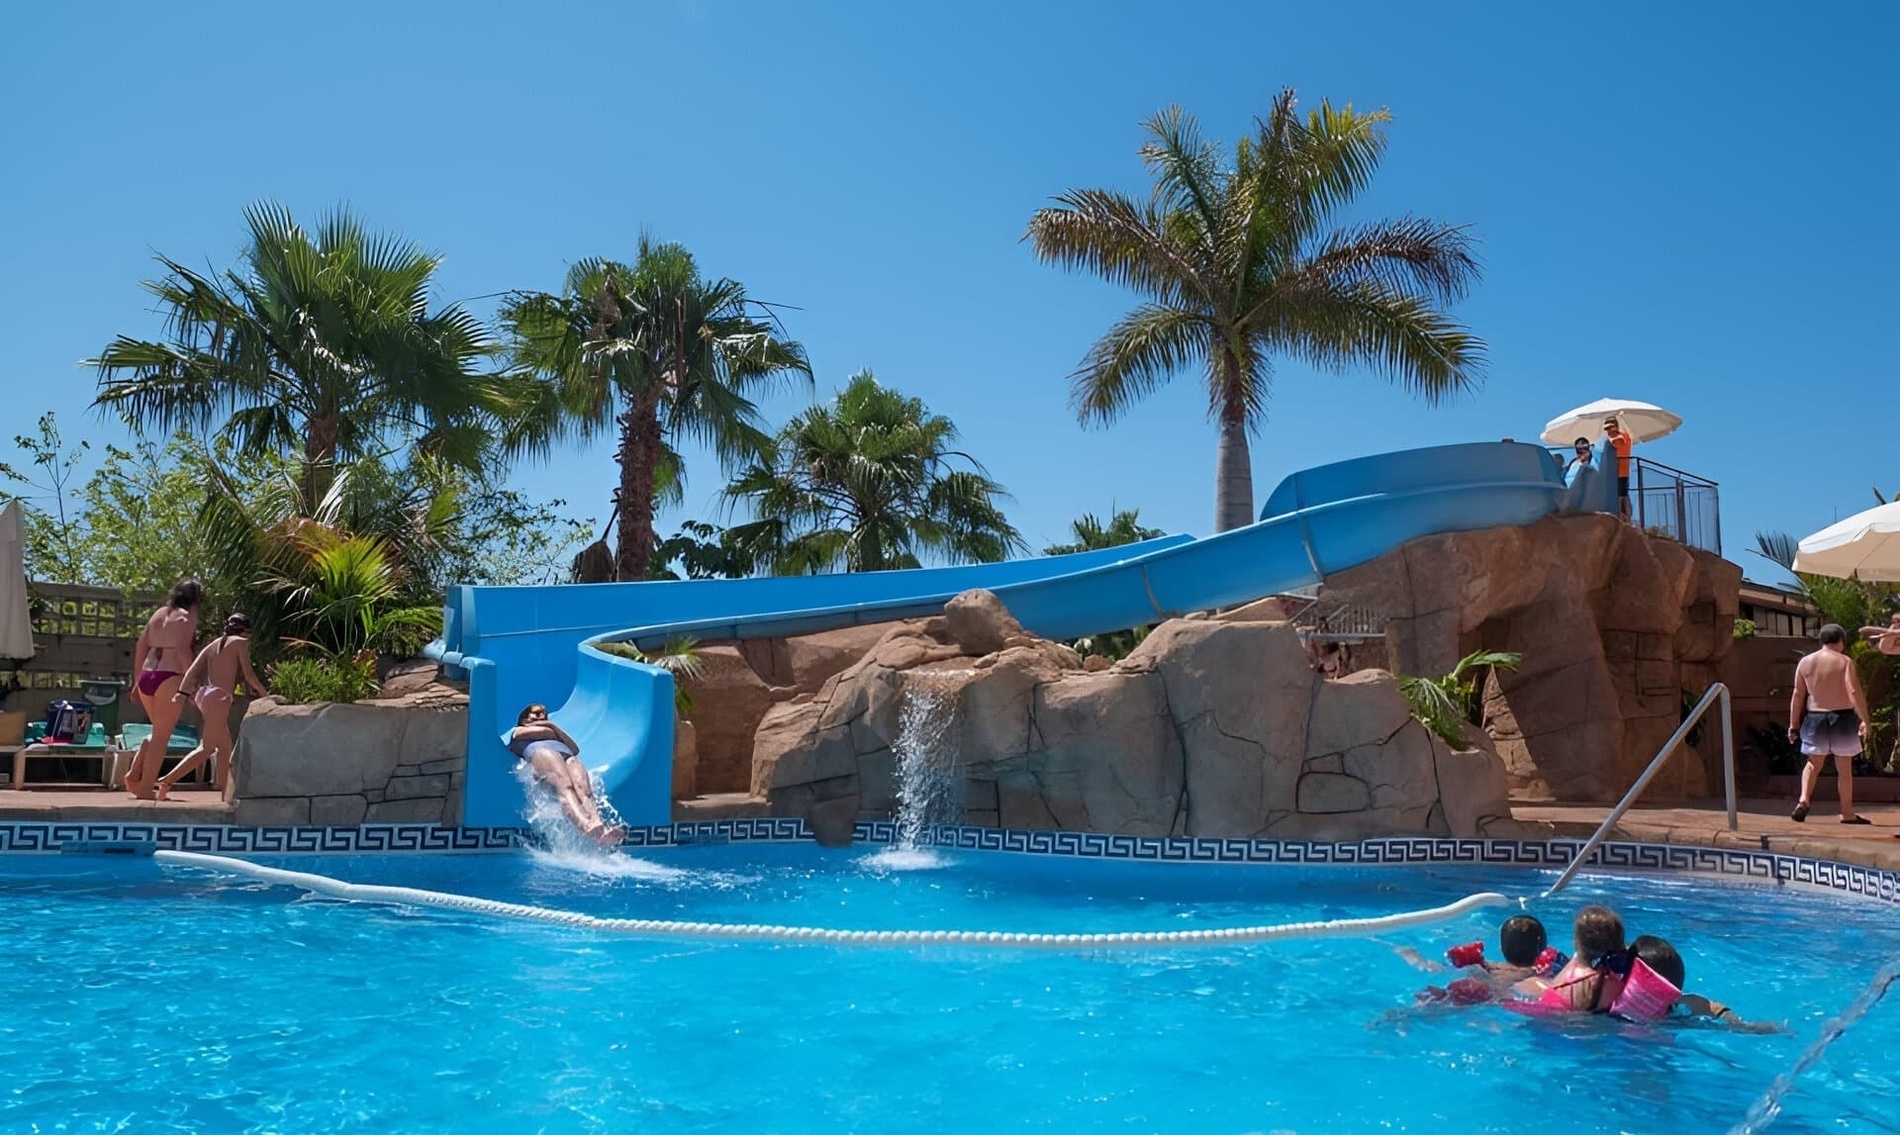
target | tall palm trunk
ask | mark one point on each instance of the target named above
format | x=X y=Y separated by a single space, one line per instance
x=1233 y=462
x=639 y=456
x=319 y=457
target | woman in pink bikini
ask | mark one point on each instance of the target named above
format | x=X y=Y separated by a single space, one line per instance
x=209 y=685
x=160 y=658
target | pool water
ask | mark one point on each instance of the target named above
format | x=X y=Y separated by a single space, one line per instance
x=145 y=997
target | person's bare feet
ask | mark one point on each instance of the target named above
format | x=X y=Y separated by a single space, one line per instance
x=609 y=835
x=161 y=791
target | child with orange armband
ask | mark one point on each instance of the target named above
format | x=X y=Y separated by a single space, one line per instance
x=1527 y=954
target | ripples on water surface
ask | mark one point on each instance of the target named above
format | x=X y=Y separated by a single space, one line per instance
x=150 y=998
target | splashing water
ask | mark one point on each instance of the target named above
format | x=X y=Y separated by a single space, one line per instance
x=567 y=847
x=929 y=781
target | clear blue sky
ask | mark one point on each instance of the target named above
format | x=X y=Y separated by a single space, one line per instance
x=1691 y=207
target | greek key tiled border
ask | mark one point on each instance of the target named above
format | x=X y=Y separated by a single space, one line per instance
x=370 y=839
x=1758 y=866
x=384 y=839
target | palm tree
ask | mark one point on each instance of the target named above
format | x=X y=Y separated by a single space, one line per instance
x=321 y=342
x=1091 y=535
x=662 y=353
x=1237 y=263
x=868 y=483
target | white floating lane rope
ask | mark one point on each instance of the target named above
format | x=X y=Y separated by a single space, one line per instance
x=665 y=928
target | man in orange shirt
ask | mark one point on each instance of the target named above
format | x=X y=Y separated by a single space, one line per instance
x=1621 y=442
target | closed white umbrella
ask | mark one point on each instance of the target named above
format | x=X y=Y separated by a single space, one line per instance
x=1865 y=546
x=1641 y=420
x=16 y=629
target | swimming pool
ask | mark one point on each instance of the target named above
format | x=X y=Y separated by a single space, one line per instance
x=147 y=997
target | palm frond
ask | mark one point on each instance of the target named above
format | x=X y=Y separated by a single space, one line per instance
x=1137 y=356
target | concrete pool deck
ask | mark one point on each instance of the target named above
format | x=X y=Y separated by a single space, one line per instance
x=1762 y=824
x=185 y=806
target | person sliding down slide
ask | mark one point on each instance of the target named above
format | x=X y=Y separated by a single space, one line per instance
x=554 y=758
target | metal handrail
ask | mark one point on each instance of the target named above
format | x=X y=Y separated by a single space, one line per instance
x=1716 y=693
x=1683 y=476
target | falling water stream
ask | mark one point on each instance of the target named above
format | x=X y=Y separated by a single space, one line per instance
x=929 y=782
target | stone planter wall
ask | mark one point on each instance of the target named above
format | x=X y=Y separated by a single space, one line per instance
x=398 y=760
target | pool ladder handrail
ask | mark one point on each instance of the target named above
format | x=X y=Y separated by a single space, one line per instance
x=1717 y=693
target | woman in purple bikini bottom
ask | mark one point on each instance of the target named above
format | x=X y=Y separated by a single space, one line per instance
x=161 y=657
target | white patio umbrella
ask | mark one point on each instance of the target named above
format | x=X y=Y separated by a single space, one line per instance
x=1641 y=420
x=16 y=630
x=1866 y=546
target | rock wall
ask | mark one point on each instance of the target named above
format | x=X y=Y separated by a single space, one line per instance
x=1207 y=729
x=739 y=682
x=388 y=760
x=1615 y=627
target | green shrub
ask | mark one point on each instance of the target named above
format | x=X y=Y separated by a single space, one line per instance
x=1445 y=704
x=680 y=657
x=1744 y=628
x=313 y=679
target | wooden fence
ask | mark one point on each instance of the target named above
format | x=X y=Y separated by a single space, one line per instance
x=79 y=633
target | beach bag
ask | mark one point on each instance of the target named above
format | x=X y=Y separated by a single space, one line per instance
x=68 y=722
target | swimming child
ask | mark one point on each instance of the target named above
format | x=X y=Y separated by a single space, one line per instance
x=1527 y=954
x=1665 y=962
x=1593 y=978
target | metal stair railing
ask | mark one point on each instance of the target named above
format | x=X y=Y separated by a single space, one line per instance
x=1718 y=693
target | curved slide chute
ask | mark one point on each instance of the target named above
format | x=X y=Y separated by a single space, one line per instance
x=525 y=644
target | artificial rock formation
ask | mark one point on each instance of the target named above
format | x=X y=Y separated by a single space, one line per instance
x=1616 y=628
x=739 y=682
x=388 y=760
x=1207 y=729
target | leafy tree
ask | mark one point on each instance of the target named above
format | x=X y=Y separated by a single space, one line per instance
x=55 y=547
x=869 y=483
x=1123 y=527
x=701 y=551
x=1238 y=263
x=321 y=343
x=1091 y=535
x=660 y=353
x=140 y=519
x=148 y=516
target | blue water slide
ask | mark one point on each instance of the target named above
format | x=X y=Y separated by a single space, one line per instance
x=526 y=644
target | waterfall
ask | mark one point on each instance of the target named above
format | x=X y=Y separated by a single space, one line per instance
x=929 y=779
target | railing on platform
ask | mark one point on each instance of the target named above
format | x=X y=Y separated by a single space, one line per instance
x=1679 y=505
x=1669 y=502
x=1716 y=694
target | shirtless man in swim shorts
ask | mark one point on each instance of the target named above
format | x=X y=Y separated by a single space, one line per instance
x=209 y=684
x=1828 y=715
